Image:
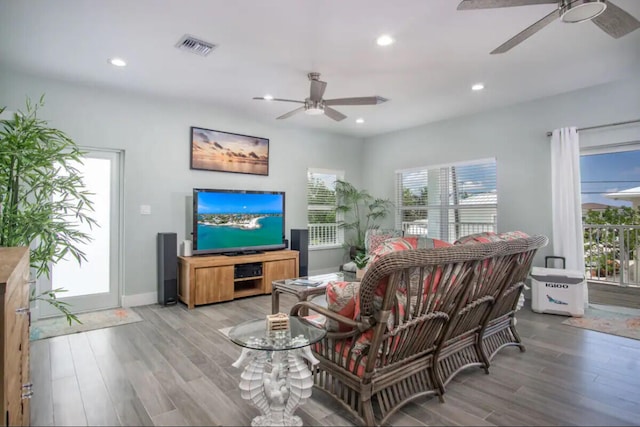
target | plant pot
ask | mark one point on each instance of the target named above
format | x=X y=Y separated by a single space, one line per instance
x=360 y=273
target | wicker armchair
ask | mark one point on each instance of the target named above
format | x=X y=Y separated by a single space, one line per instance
x=412 y=307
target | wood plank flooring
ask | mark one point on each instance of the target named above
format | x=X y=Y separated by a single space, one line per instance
x=612 y=294
x=174 y=368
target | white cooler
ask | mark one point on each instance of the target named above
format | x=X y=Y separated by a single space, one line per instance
x=557 y=291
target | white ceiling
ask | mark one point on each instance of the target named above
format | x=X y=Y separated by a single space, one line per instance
x=270 y=46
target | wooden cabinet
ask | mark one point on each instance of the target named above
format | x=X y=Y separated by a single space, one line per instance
x=14 y=336
x=214 y=284
x=207 y=279
x=278 y=270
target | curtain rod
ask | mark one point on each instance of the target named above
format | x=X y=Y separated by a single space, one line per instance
x=603 y=126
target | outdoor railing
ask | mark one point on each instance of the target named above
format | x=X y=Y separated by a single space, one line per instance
x=612 y=253
x=456 y=230
x=324 y=234
x=331 y=234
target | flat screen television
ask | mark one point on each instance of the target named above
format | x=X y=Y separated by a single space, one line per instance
x=235 y=222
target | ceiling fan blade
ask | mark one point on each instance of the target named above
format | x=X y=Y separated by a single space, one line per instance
x=290 y=113
x=528 y=32
x=260 y=98
x=334 y=114
x=491 y=4
x=362 y=100
x=317 y=90
x=615 y=21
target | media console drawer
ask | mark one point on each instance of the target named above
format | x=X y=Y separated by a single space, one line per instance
x=207 y=279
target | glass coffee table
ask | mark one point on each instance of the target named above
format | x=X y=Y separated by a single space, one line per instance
x=276 y=379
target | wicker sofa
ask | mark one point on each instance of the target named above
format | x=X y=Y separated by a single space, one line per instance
x=420 y=317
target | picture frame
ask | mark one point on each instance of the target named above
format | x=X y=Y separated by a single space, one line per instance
x=215 y=150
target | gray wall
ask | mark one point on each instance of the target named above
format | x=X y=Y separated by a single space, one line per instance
x=154 y=133
x=516 y=137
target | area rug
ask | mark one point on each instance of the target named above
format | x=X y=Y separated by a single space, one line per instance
x=56 y=326
x=624 y=325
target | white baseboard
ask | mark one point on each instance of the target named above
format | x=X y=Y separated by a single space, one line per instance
x=139 y=299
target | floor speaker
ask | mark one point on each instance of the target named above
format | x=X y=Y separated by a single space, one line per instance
x=167 y=268
x=300 y=243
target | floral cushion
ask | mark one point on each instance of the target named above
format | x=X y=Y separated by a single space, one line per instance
x=512 y=235
x=317 y=319
x=375 y=237
x=342 y=298
x=490 y=236
x=485 y=237
x=424 y=242
x=356 y=363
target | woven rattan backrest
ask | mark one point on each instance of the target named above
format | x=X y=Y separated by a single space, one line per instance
x=493 y=277
x=442 y=279
x=444 y=268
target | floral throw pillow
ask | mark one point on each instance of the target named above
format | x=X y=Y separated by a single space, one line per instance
x=342 y=298
x=490 y=236
x=486 y=237
x=375 y=237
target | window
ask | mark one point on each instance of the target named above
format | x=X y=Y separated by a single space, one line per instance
x=610 y=186
x=447 y=201
x=610 y=178
x=321 y=201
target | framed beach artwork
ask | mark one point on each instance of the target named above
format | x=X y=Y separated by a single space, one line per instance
x=214 y=150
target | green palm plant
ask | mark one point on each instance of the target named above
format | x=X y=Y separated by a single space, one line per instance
x=360 y=212
x=42 y=196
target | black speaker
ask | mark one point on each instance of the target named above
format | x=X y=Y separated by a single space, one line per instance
x=167 y=268
x=300 y=243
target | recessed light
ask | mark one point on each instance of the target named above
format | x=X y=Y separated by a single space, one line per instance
x=384 y=40
x=268 y=97
x=117 y=62
x=360 y=120
x=477 y=86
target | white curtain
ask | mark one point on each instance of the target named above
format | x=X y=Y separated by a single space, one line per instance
x=566 y=201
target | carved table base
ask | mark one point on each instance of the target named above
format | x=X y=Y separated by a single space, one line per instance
x=277 y=382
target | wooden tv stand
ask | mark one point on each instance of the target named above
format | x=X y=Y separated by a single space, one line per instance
x=206 y=279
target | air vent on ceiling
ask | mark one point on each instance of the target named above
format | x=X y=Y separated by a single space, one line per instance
x=194 y=45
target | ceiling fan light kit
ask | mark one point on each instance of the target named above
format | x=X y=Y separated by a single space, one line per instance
x=314 y=111
x=315 y=105
x=611 y=19
x=581 y=10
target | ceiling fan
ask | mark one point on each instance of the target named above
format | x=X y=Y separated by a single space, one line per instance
x=610 y=18
x=315 y=104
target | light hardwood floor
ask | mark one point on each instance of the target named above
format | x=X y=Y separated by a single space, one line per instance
x=174 y=368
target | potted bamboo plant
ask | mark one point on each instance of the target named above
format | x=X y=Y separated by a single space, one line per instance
x=42 y=196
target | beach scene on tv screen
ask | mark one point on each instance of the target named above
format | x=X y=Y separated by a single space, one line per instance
x=234 y=220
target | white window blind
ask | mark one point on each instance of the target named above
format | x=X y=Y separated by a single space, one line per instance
x=447 y=202
x=321 y=202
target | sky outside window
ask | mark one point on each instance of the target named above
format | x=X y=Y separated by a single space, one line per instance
x=601 y=174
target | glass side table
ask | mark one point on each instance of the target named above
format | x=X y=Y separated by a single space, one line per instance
x=276 y=379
